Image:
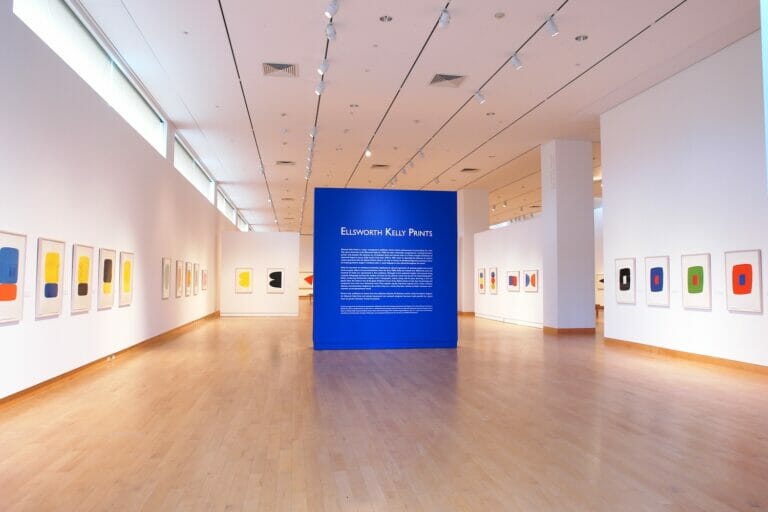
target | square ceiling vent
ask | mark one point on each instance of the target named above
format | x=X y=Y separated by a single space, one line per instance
x=443 y=80
x=275 y=69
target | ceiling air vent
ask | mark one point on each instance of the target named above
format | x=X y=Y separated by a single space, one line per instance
x=441 y=80
x=286 y=199
x=470 y=169
x=380 y=166
x=274 y=69
x=284 y=163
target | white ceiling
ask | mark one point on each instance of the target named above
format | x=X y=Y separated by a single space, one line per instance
x=180 y=50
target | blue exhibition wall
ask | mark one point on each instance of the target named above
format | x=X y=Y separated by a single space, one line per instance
x=385 y=269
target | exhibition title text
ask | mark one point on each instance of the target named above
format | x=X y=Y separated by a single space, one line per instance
x=410 y=232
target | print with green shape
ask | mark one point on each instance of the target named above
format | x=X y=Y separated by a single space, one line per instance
x=696 y=279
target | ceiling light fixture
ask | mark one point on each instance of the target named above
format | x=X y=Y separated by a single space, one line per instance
x=404 y=171
x=332 y=9
x=581 y=38
x=323 y=67
x=313 y=134
x=320 y=88
x=552 y=26
x=493 y=208
x=515 y=60
x=421 y=153
x=445 y=18
x=386 y=18
x=330 y=31
x=368 y=153
x=411 y=164
x=261 y=169
x=479 y=97
x=437 y=180
x=504 y=205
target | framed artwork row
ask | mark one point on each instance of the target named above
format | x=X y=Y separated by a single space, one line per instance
x=274 y=280
x=743 y=281
x=190 y=279
x=527 y=282
x=50 y=275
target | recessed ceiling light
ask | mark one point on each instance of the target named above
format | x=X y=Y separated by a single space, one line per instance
x=353 y=105
x=490 y=113
x=185 y=32
x=386 y=18
x=499 y=15
x=581 y=38
x=283 y=114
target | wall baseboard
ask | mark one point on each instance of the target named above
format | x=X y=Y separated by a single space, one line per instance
x=466 y=313
x=668 y=352
x=142 y=345
x=568 y=330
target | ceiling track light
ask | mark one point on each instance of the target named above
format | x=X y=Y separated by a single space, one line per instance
x=411 y=164
x=515 y=60
x=322 y=69
x=330 y=31
x=504 y=205
x=404 y=171
x=320 y=88
x=261 y=169
x=445 y=18
x=332 y=9
x=437 y=180
x=421 y=154
x=552 y=26
x=368 y=153
x=313 y=133
x=479 y=97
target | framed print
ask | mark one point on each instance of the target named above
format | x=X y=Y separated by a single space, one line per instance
x=13 y=252
x=531 y=281
x=196 y=279
x=50 y=278
x=166 y=278
x=179 y=278
x=188 y=279
x=657 y=281
x=513 y=281
x=105 y=296
x=126 y=279
x=82 y=287
x=493 y=276
x=625 y=280
x=275 y=280
x=744 y=281
x=697 y=289
x=243 y=280
x=481 y=280
x=204 y=279
x=600 y=281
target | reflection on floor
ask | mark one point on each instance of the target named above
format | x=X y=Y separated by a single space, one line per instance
x=241 y=414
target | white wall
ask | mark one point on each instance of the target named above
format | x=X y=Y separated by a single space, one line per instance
x=306 y=262
x=73 y=170
x=599 y=269
x=472 y=211
x=514 y=247
x=684 y=172
x=259 y=251
x=569 y=229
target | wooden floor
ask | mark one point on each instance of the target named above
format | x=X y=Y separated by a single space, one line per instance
x=241 y=414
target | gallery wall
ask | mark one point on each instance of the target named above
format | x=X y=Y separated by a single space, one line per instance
x=517 y=247
x=306 y=265
x=74 y=170
x=684 y=172
x=259 y=252
x=599 y=268
x=472 y=207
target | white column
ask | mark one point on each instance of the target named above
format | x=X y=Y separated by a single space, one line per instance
x=473 y=218
x=569 y=249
